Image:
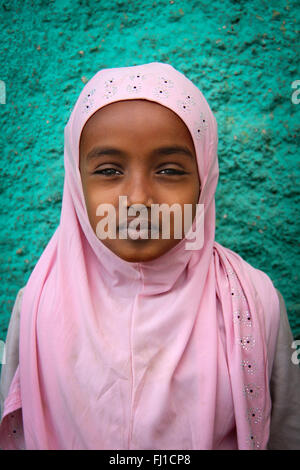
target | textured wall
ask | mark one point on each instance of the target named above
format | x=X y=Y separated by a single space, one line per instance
x=242 y=55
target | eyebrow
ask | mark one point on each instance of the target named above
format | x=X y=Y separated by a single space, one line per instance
x=167 y=150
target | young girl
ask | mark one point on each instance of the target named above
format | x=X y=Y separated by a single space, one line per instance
x=146 y=343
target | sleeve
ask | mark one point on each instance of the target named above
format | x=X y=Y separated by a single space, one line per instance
x=11 y=351
x=285 y=389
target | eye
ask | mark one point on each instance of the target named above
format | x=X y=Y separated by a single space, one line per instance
x=173 y=171
x=106 y=172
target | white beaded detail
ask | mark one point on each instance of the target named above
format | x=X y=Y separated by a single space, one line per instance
x=165 y=82
x=249 y=366
x=255 y=415
x=184 y=106
x=134 y=88
x=161 y=92
x=189 y=99
x=110 y=88
x=199 y=129
x=242 y=317
x=253 y=442
x=231 y=273
x=247 y=342
x=137 y=78
x=236 y=292
x=135 y=84
x=88 y=101
x=252 y=390
x=162 y=89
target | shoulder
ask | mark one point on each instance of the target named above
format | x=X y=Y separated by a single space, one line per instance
x=284 y=387
x=17 y=305
x=263 y=285
x=12 y=338
x=281 y=299
x=20 y=294
x=13 y=327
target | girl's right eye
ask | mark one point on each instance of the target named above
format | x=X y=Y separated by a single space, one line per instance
x=106 y=172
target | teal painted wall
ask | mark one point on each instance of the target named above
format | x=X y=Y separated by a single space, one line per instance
x=241 y=54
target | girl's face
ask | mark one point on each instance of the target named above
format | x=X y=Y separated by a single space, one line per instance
x=142 y=150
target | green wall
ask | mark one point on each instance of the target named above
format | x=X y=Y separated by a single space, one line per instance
x=242 y=55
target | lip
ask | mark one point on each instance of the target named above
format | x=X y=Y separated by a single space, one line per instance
x=145 y=224
x=130 y=219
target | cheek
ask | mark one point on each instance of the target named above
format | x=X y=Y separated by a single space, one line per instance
x=191 y=196
x=190 y=192
x=196 y=189
x=94 y=196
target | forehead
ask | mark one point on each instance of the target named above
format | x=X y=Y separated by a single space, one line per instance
x=132 y=116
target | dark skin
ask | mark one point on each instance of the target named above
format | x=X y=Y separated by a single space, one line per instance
x=136 y=129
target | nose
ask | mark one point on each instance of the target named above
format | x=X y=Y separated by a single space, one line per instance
x=139 y=191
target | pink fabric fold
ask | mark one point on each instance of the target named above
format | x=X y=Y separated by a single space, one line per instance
x=174 y=353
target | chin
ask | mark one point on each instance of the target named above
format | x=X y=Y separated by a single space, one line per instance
x=136 y=253
x=137 y=257
x=139 y=251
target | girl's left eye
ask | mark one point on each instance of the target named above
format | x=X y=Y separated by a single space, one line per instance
x=173 y=171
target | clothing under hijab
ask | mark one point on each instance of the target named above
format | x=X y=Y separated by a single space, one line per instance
x=172 y=353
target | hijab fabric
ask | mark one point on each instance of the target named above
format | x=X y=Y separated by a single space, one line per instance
x=173 y=353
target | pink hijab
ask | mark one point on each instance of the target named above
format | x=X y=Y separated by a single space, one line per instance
x=175 y=353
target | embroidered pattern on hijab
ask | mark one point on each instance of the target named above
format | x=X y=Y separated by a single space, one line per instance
x=119 y=355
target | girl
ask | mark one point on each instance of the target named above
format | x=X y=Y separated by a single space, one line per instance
x=146 y=343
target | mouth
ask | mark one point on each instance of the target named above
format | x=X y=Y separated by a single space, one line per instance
x=144 y=229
